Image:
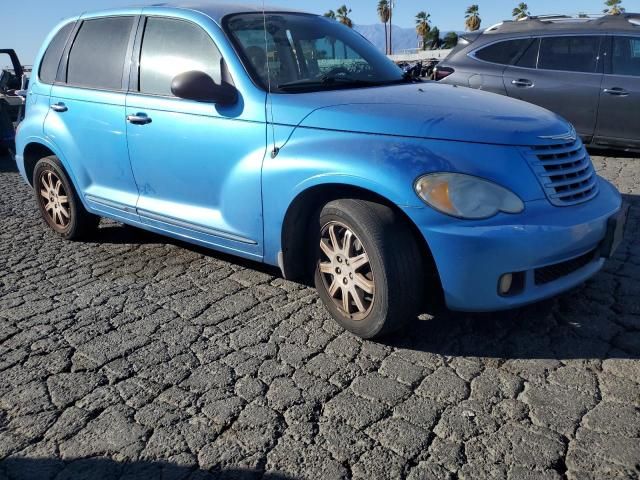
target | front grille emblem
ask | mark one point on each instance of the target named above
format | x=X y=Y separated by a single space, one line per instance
x=570 y=136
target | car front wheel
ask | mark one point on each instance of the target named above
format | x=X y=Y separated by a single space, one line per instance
x=368 y=267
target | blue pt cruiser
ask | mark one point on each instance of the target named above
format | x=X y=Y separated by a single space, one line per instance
x=287 y=138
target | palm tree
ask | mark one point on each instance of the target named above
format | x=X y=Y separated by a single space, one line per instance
x=433 y=38
x=383 y=13
x=342 y=15
x=450 y=40
x=472 y=18
x=422 y=28
x=614 y=7
x=521 y=11
x=330 y=14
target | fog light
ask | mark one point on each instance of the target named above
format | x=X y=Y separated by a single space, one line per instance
x=506 y=281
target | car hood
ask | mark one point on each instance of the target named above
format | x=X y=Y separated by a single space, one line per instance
x=425 y=110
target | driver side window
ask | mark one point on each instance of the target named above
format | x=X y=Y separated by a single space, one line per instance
x=171 y=47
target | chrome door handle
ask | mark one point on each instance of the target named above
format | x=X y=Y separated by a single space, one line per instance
x=59 y=107
x=620 y=92
x=522 y=83
x=139 y=119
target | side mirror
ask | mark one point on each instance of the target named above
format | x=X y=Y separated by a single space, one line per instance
x=199 y=86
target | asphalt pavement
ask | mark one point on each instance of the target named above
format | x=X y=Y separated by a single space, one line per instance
x=135 y=356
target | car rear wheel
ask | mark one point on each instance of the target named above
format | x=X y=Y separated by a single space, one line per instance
x=58 y=201
x=368 y=267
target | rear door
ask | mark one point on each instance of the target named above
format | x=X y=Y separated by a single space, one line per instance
x=562 y=74
x=483 y=69
x=619 y=112
x=86 y=120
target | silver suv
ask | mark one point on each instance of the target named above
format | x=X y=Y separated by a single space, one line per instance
x=585 y=69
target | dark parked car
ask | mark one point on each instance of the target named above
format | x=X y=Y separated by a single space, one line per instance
x=412 y=70
x=585 y=69
x=429 y=67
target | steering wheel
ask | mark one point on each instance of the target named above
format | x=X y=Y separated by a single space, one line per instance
x=337 y=71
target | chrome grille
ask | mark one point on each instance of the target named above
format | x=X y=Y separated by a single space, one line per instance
x=565 y=172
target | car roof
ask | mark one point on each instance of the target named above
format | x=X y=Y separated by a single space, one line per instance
x=212 y=9
x=217 y=11
x=565 y=24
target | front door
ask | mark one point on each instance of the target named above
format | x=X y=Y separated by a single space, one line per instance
x=198 y=165
x=619 y=113
x=565 y=79
x=86 y=119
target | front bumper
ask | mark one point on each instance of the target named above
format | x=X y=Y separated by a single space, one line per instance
x=471 y=256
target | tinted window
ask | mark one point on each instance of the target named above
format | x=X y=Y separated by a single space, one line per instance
x=51 y=59
x=504 y=53
x=97 y=57
x=171 y=47
x=572 y=54
x=529 y=58
x=625 y=59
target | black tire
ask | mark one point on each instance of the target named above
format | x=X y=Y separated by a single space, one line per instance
x=395 y=266
x=78 y=223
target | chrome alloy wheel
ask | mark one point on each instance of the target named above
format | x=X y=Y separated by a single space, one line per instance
x=346 y=271
x=54 y=199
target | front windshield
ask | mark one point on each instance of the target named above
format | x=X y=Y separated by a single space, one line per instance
x=302 y=53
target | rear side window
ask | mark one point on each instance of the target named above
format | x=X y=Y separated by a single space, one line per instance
x=625 y=58
x=96 y=59
x=529 y=58
x=504 y=53
x=571 y=54
x=51 y=60
x=171 y=47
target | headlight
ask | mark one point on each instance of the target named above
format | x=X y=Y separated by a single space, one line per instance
x=466 y=196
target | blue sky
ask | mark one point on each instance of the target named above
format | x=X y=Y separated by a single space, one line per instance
x=32 y=19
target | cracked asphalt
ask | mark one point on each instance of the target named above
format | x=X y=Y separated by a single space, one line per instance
x=132 y=356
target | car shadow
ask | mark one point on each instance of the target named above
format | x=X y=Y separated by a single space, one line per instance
x=547 y=330
x=609 y=152
x=20 y=468
x=114 y=233
x=7 y=164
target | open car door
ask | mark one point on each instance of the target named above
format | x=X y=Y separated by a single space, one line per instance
x=12 y=80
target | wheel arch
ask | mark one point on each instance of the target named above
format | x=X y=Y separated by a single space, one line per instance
x=305 y=208
x=34 y=152
x=36 y=148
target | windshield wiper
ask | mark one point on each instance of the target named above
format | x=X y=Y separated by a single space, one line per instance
x=342 y=82
x=328 y=82
x=341 y=79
